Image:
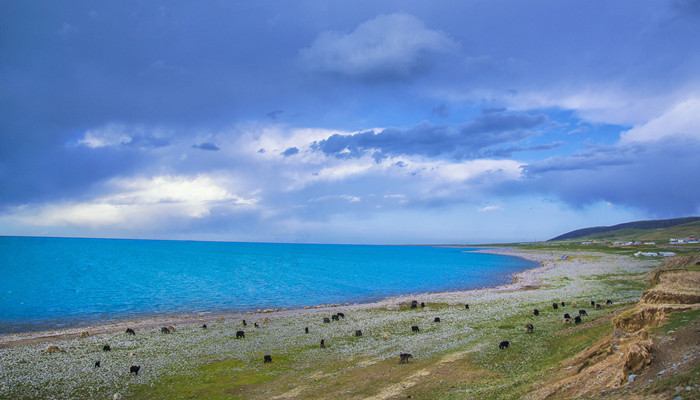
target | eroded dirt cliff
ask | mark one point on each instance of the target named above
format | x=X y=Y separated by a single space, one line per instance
x=619 y=365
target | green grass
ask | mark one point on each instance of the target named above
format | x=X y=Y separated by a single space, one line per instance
x=563 y=247
x=516 y=368
x=222 y=379
x=677 y=320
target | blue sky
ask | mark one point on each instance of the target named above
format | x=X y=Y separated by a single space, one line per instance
x=346 y=121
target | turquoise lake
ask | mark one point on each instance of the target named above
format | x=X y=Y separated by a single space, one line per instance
x=61 y=282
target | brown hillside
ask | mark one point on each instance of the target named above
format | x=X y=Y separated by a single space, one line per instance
x=676 y=281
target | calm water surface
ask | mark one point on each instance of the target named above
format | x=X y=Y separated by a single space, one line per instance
x=59 y=282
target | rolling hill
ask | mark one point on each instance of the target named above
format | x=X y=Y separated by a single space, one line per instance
x=651 y=230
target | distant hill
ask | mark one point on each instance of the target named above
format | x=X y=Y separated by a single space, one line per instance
x=661 y=229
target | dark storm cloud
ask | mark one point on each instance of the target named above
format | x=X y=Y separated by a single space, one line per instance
x=688 y=7
x=63 y=173
x=274 y=114
x=657 y=177
x=206 y=146
x=290 y=151
x=69 y=67
x=441 y=111
x=508 y=151
x=468 y=140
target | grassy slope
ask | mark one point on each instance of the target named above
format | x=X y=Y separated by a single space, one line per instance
x=659 y=235
x=485 y=373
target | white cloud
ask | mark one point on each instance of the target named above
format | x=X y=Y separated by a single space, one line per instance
x=139 y=203
x=171 y=189
x=120 y=135
x=110 y=135
x=491 y=208
x=477 y=169
x=345 y=197
x=387 y=45
x=681 y=120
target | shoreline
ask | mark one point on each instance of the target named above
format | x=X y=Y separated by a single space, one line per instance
x=523 y=280
x=62 y=364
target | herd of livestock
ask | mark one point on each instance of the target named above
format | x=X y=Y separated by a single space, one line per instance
x=403 y=357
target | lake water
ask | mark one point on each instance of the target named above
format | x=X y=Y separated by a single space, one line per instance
x=51 y=283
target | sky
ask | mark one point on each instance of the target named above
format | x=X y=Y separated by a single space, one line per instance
x=392 y=122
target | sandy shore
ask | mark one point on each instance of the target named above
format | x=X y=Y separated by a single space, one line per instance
x=524 y=280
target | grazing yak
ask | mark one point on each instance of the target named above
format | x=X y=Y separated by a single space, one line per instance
x=466 y=306
x=164 y=330
x=592 y=303
x=563 y=304
x=567 y=316
x=255 y=324
x=609 y=302
x=358 y=333
x=245 y=323
x=97 y=364
x=204 y=326
x=582 y=312
x=577 y=319
x=414 y=304
x=414 y=328
x=335 y=317
x=240 y=335
x=267 y=358
x=403 y=357
x=341 y=315
x=134 y=369
x=326 y=320
x=306 y=329
x=504 y=345
x=536 y=312
x=598 y=306
x=323 y=343
x=529 y=328
x=555 y=305
x=422 y=304
x=106 y=348
x=130 y=331
x=53 y=349
x=437 y=319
